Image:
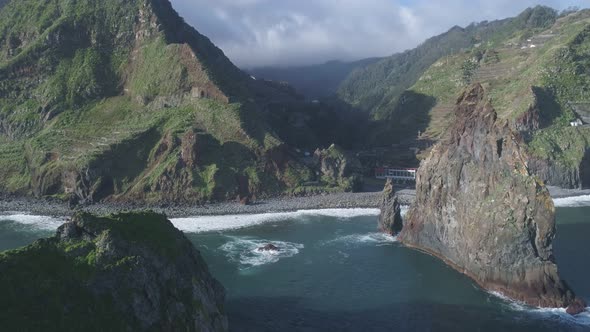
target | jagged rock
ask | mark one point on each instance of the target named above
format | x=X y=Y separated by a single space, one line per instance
x=577 y=307
x=125 y=272
x=480 y=210
x=269 y=247
x=390 y=220
x=556 y=174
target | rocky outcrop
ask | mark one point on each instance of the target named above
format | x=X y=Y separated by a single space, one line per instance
x=554 y=174
x=539 y=115
x=390 y=220
x=479 y=208
x=126 y=272
x=269 y=247
x=339 y=168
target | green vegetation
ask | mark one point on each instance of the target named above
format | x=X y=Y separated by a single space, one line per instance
x=58 y=277
x=143 y=229
x=550 y=77
x=535 y=62
x=85 y=277
x=377 y=88
x=97 y=100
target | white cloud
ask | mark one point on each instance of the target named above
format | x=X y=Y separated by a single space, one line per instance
x=295 y=32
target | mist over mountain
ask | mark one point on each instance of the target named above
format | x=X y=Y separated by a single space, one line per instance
x=316 y=81
x=290 y=33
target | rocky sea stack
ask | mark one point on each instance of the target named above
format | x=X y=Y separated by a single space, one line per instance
x=125 y=272
x=390 y=220
x=480 y=209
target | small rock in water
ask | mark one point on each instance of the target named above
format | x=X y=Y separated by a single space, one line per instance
x=269 y=247
x=577 y=307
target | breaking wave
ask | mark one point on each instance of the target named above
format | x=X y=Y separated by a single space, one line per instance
x=572 y=201
x=547 y=313
x=228 y=222
x=244 y=250
x=361 y=239
x=32 y=221
x=404 y=210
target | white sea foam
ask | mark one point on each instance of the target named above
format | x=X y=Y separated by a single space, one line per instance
x=555 y=313
x=362 y=239
x=227 y=222
x=35 y=222
x=404 y=210
x=572 y=201
x=244 y=250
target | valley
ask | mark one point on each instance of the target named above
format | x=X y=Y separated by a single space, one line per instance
x=440 y=188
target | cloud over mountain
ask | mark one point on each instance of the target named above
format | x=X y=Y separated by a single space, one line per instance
x=295 y=32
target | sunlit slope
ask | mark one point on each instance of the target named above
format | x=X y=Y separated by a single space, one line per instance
x=122 y=100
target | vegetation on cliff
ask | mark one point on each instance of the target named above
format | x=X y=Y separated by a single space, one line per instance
x=534 y=68
x=376 y=88
x=131 y=271
x=480 y=209
x=121 y=101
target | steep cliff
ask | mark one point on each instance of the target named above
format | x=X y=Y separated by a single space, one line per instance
x=126 y=272
x=480 y=209
x=538 y=80
x=122 y=100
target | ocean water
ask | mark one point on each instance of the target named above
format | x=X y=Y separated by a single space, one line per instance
x=334 y=272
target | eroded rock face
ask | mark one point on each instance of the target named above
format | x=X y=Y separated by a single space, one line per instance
x=555 y=174
x=126 y=272
x=479 y=208
x=390 y=220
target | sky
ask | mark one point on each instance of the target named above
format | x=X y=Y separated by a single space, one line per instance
x=254 y=33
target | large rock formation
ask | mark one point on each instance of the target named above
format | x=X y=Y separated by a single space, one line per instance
x=390 y=220
x=126 y=272
x=479 y=208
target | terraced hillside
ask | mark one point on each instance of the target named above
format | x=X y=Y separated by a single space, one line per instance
x=377 y=88
x=540 y=82
x=121 y=100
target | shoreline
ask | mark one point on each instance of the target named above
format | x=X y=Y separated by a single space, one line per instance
x=361 y=200
x=557 y=192
x=271 y=205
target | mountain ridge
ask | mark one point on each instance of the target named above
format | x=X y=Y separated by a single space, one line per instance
x=377 y=87
x=124 y=101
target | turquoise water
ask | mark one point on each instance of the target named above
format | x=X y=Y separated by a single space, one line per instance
x=336 y=273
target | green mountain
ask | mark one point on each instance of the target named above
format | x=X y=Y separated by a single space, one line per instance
x=538 y=78
x=314 y=81
x=377 y=88
x=541 y=83
x=122 y=100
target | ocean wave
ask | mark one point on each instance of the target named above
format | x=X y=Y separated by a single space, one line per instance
x=553 y=313
x=572 y=201
x=244 y=251
x=35 y=222
x=362 y=239
x=404 y=210
x=228 y=222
